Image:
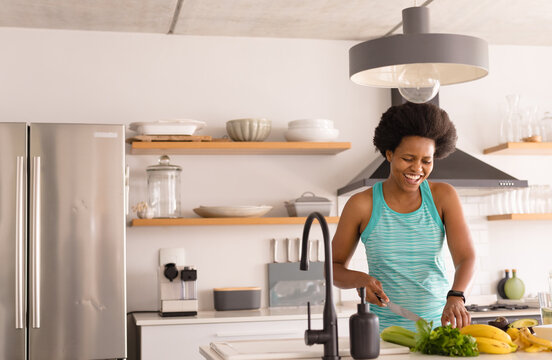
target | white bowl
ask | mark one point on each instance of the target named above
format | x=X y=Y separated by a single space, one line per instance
x=248 y=129
x=167 y=127
x=311 y=123
x=311 y=134
x=543 y=331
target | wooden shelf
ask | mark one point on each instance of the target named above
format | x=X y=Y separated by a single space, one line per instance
x=237 y=148
x=543 y=216
x=521 y=148
x=228 y=221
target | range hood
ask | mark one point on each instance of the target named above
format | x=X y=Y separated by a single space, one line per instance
x=469 y=175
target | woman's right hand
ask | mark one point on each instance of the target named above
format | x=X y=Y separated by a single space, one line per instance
x=374 y=291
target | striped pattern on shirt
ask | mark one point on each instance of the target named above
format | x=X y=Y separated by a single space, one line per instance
x=404 y=252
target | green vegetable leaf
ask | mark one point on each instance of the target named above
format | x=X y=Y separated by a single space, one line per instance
x=443 y=340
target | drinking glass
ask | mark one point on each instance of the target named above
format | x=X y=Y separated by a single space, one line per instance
x=511 y=120
x=547 y=126
x=545 y=303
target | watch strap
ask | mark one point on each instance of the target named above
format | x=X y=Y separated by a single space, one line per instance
x=457 y=294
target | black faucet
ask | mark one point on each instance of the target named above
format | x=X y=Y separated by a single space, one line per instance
x=327 y=336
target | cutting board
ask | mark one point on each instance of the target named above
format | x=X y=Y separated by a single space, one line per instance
x=287 y=349
x=290 y=286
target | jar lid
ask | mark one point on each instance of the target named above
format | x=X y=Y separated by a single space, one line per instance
x=310 y=197
x=164 y=164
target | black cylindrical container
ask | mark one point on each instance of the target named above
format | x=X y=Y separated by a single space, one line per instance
x=500 y=285
x=364 y=331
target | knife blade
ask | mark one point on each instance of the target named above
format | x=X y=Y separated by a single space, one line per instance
x=405 y=313
x=399 y=310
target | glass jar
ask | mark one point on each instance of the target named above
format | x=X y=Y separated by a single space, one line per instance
x=510 y=124
x=547 y=127
x=164 y=188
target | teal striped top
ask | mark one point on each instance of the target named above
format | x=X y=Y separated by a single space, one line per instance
x=404 y=252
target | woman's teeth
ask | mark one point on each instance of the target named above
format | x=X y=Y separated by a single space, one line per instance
x=413 y=177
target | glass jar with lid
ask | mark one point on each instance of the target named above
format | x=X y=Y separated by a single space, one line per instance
x=164 y=188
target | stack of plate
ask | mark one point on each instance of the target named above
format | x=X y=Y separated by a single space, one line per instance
x=311 y=130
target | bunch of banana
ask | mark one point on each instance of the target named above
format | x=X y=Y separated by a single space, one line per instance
x=529 y=342
x=490 y=339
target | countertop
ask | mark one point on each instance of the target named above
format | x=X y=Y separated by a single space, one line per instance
x=274 y=314
x=264 y=314
x=209 y=354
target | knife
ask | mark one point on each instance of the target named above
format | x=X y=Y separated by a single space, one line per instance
x=405 y=313
x=399 y=310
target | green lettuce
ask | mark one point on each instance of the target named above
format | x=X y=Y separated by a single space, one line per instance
x=443 y=340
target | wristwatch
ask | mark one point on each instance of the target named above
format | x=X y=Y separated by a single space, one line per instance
x=457 y=293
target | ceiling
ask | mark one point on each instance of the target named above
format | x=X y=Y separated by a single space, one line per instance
x=512 y=22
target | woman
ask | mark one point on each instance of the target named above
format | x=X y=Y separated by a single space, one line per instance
x=402 y=223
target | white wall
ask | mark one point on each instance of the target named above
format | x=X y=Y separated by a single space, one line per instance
x=69 y=76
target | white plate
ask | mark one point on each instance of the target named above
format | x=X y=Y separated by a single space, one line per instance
x=167 y=127
x=232 y=211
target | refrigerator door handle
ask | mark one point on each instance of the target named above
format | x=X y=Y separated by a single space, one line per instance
x=35 y=243
x=127 y=189
x=19 y=244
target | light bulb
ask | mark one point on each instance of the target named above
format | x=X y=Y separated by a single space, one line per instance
x=419 y=83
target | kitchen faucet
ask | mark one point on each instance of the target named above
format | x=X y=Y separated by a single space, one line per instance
x=327 y=336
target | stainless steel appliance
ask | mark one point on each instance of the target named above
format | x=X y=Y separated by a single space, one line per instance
x=482 y=314
x=62 y=235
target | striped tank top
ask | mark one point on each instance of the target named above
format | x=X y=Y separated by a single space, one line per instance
x=404 y=252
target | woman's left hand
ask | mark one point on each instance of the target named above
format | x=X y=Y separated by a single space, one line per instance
x=455 y=313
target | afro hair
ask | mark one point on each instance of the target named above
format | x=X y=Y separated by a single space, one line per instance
x=409 y=119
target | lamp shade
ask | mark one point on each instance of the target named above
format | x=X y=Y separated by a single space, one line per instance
x=451 y=58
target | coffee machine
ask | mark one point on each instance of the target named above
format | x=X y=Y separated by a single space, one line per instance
x=177 y=290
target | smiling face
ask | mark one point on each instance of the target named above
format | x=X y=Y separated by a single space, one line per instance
x=411 y=162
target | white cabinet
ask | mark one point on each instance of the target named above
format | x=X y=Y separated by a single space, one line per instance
x=182 y=341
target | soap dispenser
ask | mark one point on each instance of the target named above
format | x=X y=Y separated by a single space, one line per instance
x=364 y=331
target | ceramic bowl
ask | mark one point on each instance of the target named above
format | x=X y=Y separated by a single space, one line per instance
x=543 y=331
x=311 y=123
x=311 y=134
x=248 y=129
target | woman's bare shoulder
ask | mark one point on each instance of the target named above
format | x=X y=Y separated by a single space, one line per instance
x=356 y=214
x=361 y=200
x=441 y=189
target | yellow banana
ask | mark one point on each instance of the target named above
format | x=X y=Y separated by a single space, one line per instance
x=534 y=340
x=513 y=332
x=535 y=348
x=488 y=331
x=493 y=346
x=522 y=343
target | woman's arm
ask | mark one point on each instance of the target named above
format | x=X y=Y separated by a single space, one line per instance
x=462 y=251
x=352 y=220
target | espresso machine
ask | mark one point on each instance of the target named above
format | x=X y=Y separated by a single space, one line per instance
x=177 y=290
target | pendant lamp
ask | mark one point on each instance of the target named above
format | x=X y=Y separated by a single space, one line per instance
x=418 y=62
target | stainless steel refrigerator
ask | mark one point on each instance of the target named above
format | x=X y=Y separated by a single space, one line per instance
x=62 y=241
